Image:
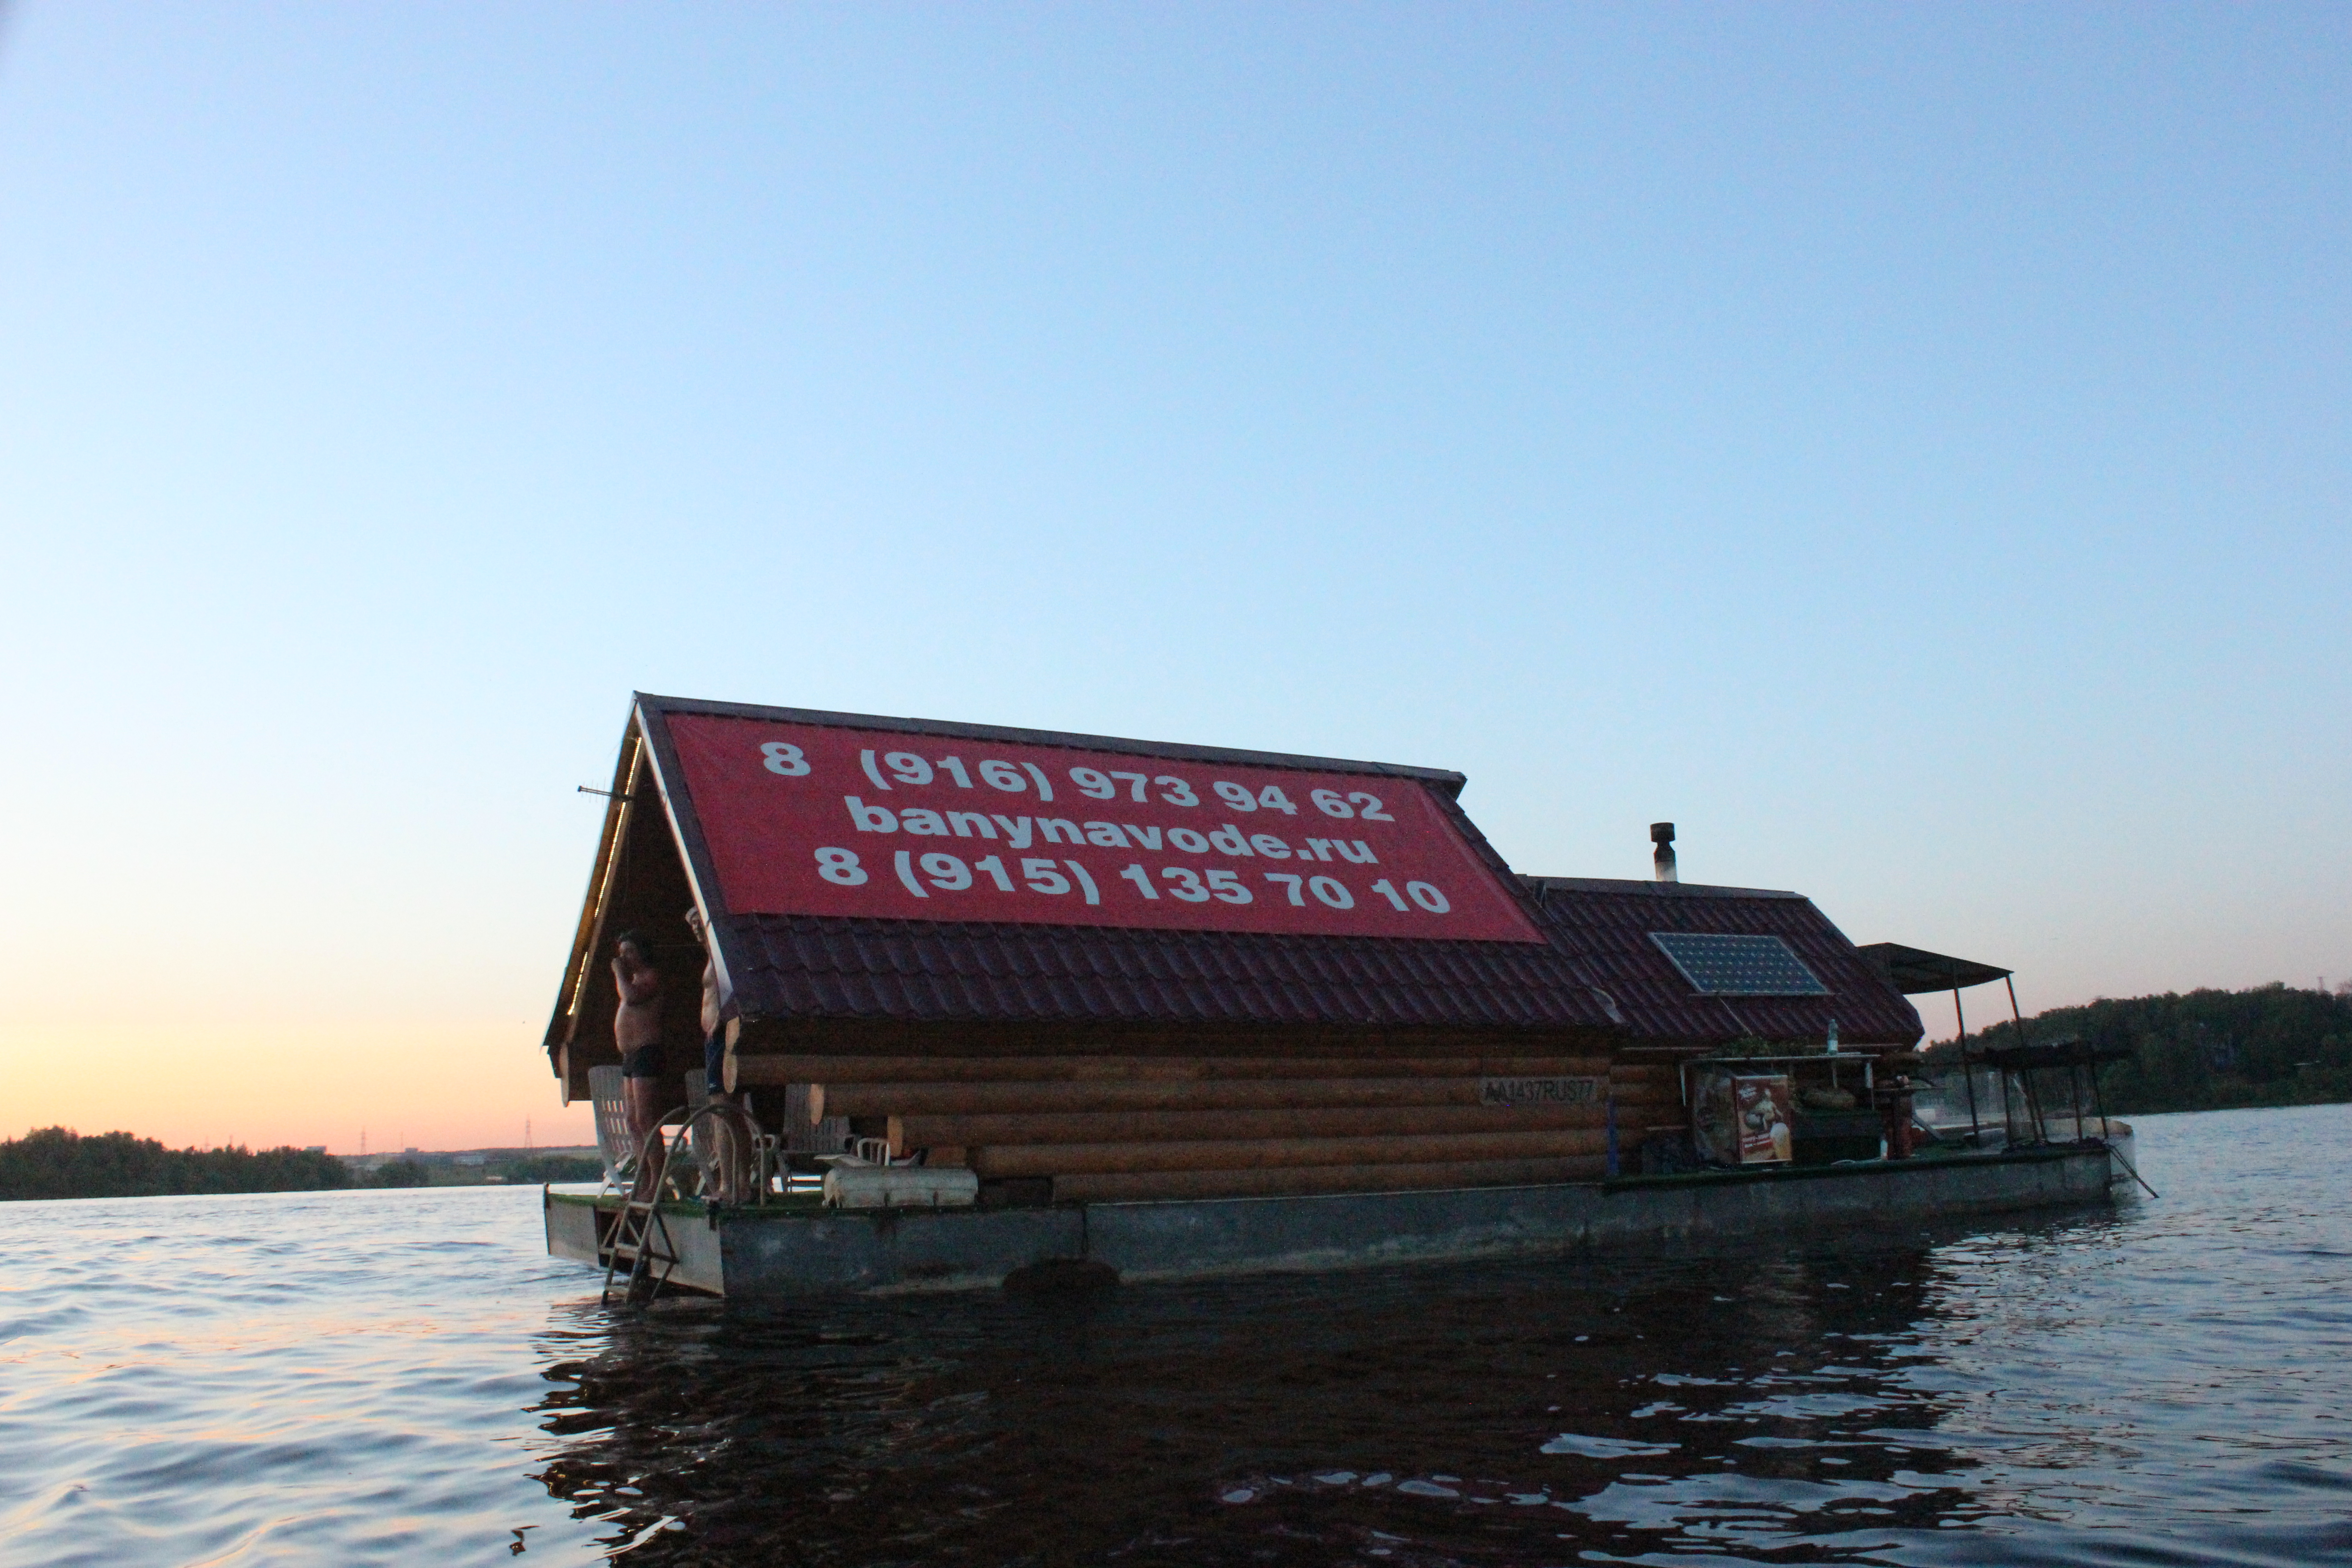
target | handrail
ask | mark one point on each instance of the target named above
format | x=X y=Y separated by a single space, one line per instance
x=736 y=1121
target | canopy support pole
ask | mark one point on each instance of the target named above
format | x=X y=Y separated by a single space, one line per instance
x=1968 y=1073
x=2033 y=1099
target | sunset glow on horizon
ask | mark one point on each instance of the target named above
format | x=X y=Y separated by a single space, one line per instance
x=462 y=1084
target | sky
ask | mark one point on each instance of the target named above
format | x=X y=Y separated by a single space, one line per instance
x=1905 y=446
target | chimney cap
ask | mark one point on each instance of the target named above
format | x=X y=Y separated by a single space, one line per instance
x=1662 y=832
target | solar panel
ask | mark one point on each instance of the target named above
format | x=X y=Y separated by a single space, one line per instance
x=1738 y=965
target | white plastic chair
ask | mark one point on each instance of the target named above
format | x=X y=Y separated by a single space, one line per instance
x=612 y=1142
x=802 y=1136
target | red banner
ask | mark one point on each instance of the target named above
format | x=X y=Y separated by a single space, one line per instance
x=804 y=819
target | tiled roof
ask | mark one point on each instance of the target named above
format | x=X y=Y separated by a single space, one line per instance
x=802 y=966
x=1605 y=925
x=808 y=967
x=1598 y=971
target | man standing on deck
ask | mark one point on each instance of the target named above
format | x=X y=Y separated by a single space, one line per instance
x=714 y=1063
x=637 y=1030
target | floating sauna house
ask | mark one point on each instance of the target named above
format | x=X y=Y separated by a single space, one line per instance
x=1182 y=1010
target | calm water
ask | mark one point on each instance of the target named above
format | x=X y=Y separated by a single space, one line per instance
x=402 y=1377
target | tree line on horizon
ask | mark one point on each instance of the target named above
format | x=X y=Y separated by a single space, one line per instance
x=58 y=1162
x=2199 y=1050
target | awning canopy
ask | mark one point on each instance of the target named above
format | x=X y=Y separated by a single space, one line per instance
x=1915 y=971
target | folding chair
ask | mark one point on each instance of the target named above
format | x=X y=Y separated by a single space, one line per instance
x=612 y=1142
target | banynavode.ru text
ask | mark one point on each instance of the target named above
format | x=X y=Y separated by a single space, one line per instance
x=1225 y=839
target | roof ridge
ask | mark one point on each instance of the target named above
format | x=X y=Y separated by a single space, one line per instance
x=1654 y=889
x=1446 y=777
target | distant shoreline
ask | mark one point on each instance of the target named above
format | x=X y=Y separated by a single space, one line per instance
x=55 y=1162
x=2265 y=1049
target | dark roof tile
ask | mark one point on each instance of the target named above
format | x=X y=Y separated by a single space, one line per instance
x=1606 y=925
x=801 y=965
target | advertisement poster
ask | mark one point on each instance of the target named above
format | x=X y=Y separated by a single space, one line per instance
x=1762 y=1105
x=813 y=819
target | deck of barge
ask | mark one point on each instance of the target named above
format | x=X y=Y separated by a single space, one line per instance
x=796 y=1248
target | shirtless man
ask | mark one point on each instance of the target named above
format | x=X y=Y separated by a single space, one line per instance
x=714 y=1061
x=637 y=1030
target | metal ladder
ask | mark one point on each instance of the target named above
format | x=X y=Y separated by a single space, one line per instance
x=631 y=1236
x=634 y=1230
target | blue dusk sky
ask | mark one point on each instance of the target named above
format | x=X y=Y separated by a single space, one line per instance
x=1906 y=446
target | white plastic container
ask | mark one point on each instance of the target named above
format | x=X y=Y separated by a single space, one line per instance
x=849 y=1187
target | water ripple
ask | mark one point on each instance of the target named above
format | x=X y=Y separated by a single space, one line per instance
x=397 y=1377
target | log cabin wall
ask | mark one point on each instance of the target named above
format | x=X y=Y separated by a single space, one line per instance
x=1646 y=1087
x=1107 y=1128
x=1110 y=1128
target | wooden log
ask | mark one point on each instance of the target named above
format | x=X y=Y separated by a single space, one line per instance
x=1297 y=1179
x=1241 y=1154
x=1007 y=1098
x=769 y=1069
x=1147 y=1126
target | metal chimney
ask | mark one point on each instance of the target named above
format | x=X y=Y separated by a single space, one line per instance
x=1661 y=834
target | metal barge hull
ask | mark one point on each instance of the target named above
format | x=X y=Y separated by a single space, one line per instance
x=781 y=1252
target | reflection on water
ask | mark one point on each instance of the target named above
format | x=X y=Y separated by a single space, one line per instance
x=1485 y=1415
x=2166 y=1383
